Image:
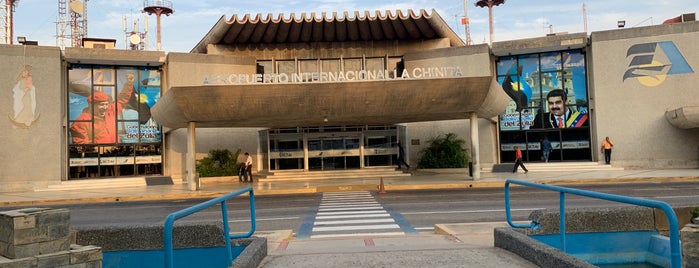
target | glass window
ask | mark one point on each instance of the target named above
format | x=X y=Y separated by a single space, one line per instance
x=287 y=67
x=308 y=66
x=110 y=106
x=505 y=65
x=330 y=65
x=575 y=76
x=550 y=61
x=265 y=67
x=548 y=95
x=352 y=65
x=375 y=64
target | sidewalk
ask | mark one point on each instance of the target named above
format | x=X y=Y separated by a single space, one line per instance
x=450 y=245
x=419 y=180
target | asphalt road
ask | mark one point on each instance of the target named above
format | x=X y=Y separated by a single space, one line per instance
x=418 y=210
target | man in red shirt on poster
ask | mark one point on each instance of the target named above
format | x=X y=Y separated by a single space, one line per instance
x=104 y=119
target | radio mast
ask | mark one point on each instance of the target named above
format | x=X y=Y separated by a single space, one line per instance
x=466 y=23
x=6 y=11
x=72 y=23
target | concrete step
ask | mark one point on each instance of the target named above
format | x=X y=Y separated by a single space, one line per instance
x=95 y=184
x=554 y=167
x=287 y=175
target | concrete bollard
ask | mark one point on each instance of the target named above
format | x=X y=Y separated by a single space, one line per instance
x=40 y=237
x=689 y=235
x=33 y=231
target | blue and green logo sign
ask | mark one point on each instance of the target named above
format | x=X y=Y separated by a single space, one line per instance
x=653 y=62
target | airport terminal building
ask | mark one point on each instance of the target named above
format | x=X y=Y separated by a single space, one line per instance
x=337 y=92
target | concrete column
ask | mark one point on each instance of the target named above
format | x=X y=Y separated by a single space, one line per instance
x=192 y=178
x=361 y=150
x=475 y=154
x=305 y=152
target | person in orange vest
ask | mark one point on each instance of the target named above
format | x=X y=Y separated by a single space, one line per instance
x=607 y=150
x=518 y=161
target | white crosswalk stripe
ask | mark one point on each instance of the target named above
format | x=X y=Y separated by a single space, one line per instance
x=357 y=213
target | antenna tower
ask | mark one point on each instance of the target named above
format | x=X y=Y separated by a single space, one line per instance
x=466 y=23
x=6 y=16
x=72 y=23
x=134 y=39
x=584 y=10
x=158 y=7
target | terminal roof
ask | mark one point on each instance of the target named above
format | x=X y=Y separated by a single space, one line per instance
x=260 y=29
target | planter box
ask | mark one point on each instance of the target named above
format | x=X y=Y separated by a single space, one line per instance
x=33 y=231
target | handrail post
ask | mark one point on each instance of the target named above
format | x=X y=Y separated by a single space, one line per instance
x=253 y=218
x=508 y=214
x=562 y=219
x=226 y=233
x=169 y=222
x=167 y=236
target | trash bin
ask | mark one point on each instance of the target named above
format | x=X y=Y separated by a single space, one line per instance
x=470 y=169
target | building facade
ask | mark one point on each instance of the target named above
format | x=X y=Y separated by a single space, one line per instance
x=338 y=93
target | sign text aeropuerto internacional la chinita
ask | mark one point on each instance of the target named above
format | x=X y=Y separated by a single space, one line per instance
x=319 y=77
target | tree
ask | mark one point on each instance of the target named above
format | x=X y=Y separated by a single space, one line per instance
x=444 y=152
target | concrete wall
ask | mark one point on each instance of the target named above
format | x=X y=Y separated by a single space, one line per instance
x=631 y=111
x=185 y=69
x=38 y=142
x=184 y=235
x=474 y=61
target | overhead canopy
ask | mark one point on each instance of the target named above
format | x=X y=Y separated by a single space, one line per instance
x=381 y=102
x=684 y=117
x=366 y=27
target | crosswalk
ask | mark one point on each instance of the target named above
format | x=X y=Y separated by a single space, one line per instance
x=343 y=214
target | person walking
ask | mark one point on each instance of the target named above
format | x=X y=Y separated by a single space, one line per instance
x=607 y=150
x=401 y=156
x=241 y=173
x=546 y=148
x=518 y=161
x=248 y=168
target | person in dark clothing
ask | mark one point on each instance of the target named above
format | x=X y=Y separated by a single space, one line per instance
x=401 y=156
x=546 y=148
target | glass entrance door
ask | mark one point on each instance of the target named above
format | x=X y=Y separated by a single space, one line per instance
x=286 y=153
x=534 y=152
x=569 y=144
x=332 y=153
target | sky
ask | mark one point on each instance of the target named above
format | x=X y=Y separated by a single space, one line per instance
x=192 y=19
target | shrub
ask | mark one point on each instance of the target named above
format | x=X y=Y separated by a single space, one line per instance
x=444 y=152
x=219 y=163
x=695 y=215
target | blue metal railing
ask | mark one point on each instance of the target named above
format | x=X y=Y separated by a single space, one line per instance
x=675 y=250
x=170 y=220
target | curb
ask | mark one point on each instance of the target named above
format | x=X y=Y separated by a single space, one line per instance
x=365 y=187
